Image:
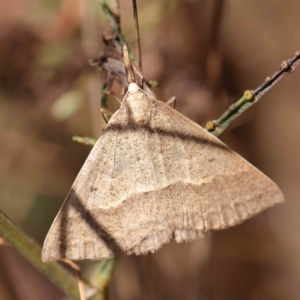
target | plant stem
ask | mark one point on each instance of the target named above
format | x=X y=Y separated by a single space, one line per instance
x=250 y=97
x=114 y=22
x=60 y=276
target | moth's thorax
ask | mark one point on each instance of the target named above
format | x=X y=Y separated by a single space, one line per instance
x=133 y=87
x=139 y=105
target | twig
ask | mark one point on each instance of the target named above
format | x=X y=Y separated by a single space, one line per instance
x=137 y=30
x=77 y=272
x=32 y=251
x=83 y=140
x=213 y=62
x=250 y=97
x=116 y=4
x=114 y=22
x=216 y=23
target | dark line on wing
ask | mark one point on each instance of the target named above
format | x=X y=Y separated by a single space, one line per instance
x=74 y=201
x=132 y=126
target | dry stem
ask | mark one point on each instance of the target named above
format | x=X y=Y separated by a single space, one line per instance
x=137 y=30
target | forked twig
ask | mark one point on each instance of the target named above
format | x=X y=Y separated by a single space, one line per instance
x=250 y=97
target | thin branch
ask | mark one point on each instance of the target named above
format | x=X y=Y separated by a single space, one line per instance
x=250 y=97
x=286 y=68
x=84 y=140
x=32 y=251
x=114 y=22
x=213 y=62
x=77 y=272
x=137 y=30
x=116 y=5
x=216 y=23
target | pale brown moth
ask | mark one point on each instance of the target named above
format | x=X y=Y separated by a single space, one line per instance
x=154 y=176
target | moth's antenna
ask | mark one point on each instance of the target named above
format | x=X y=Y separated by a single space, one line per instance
x=128 y=66
x=137 y=30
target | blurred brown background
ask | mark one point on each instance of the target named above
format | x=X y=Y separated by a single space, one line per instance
x=48 y=92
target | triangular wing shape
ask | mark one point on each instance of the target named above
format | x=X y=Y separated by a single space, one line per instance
x=153 y=176
x=206 y=185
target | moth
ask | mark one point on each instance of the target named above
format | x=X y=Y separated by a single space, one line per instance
x=154 y=176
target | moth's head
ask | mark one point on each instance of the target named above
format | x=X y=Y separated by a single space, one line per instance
x=133 y=88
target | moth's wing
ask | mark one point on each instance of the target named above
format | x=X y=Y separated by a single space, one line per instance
x=203 y=185
x=109 y=208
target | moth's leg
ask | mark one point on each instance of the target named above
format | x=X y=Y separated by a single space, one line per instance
x=106 y=114
x=172 y=102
